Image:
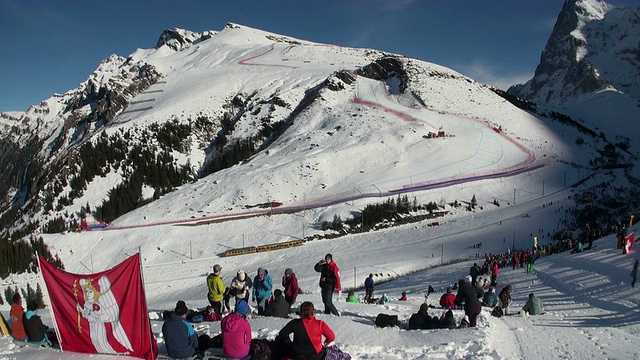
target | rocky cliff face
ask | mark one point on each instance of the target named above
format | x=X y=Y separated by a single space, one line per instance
x=180 y=39
x=35 y=142
x=592 y=59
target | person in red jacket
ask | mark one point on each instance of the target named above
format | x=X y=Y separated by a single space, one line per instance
x=448 y=300
x=290 y=284
x=494 y=274
x=15 y=318
x=307 y=333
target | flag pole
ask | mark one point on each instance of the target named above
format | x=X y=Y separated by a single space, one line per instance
x=144 y=294
x=51 y=312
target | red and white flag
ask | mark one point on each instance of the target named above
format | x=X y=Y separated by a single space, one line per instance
x=628 y=243
x=104 y=312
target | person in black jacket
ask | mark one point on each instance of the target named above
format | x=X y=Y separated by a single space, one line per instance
x=447 y=321
x=467 y=295
x=421 y=320
x=329 y=282
x=279 y=307
x=37 y=332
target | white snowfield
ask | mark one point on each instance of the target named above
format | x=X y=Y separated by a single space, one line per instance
x=591 y=311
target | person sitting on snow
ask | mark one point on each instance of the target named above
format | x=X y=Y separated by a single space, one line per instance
x=533 y=306
x=403 y=297
x=490 y=298
x=352 y=297
x=448 y=299
x=278 y=307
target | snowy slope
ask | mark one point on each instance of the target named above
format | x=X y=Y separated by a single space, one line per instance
x=591 y=311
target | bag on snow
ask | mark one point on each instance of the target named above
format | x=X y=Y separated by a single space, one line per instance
x=497 y=311
x=334 y=353
x=260 y=349
x=384 y=320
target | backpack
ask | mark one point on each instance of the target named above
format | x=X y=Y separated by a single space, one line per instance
x=259 y=349
x=334 y=353
x=497 y=311
x=384 y=320
x=210 y=315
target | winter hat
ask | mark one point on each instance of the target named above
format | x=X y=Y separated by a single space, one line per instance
x=181 y=308
x=241 y=275
x=449 y=290
x=288 y=272
x=216 y=268
x=261 y=271
x=242 y=308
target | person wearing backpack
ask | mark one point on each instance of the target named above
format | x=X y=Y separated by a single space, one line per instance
x=307 y=331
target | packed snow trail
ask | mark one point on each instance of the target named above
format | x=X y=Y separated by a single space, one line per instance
x=585 y=297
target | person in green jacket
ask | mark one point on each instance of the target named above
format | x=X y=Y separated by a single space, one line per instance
x=352 y=297
x=533 y=305
x=217 y=290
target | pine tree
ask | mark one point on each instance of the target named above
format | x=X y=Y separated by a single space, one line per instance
x=31 y=294
x=39 y=297
x=8 y=294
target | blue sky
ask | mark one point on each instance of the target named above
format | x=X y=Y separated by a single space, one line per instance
x=50 y=47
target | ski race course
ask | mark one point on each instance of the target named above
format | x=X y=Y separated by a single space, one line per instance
x=495 y=154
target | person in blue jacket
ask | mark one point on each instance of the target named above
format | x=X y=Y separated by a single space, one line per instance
x=180 y=339
x=262 y=289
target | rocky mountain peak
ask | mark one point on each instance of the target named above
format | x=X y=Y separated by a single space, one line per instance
x=179 y=39
x=593 y=54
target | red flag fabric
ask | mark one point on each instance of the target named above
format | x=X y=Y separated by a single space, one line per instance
x=104 y=312
x=628 y=243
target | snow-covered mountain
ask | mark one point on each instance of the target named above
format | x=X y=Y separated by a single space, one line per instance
x=242 y=122
x=590 y=68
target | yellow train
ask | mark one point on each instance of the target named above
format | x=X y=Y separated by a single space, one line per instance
x=262 y=248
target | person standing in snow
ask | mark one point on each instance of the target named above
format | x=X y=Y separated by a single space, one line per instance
x=368 y=289
x=290 y=284
x=217 y=290
x=262 y=289
x=505 y=299
x=494 y=274
x=634 y=274
x=329 y=282
x=530 y=261
x=467 y=295
x=474 y=272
